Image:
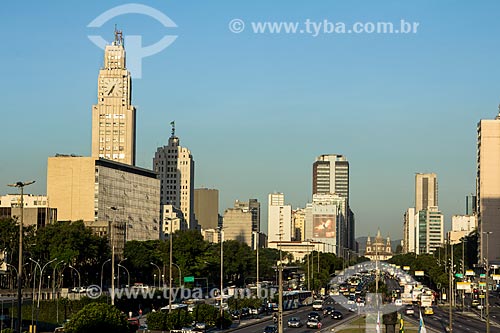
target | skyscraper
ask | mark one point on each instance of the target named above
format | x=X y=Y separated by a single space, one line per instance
x=113 y=117
x=175 y=167
x=426 y=191
x=488 y=188
x=331 y=176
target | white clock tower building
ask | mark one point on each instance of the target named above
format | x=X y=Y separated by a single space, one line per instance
x=113 y=117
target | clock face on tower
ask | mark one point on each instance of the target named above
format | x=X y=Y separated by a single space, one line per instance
x=112 y=87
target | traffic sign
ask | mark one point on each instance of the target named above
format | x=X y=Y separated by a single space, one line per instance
x=459 y=275
x=419 y=273
x=189 y=279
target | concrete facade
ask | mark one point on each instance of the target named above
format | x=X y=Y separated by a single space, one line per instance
x=206 y=207
x=298 y=224
x=279 y=218
x=409 y=240
x=326 y=221
x=85 y=188
x=237 y=225
x=426 y=191
x=175 y=167
x=488 y=188
x=114 y=117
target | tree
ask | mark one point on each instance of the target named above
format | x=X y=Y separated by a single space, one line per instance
x=98 y=317
x=169 y=321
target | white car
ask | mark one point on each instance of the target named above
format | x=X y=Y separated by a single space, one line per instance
x=318 y=305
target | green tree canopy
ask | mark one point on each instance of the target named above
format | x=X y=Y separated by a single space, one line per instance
x=98 y=317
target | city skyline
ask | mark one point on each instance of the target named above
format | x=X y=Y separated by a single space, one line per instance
x=286 y=95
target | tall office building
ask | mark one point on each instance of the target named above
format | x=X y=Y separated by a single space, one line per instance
x=237 y=225
x=253 y=206
x=331 y=175
x=426 y=191
x=279 y=218
x=175 y=168
x=471 y=205
x=409 y=240
x=206 y=207
x=488 y=189
x=430 y=230
x=113 y=117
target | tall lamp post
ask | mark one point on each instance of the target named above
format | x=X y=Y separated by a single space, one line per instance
x=79 y=278
x=40 y=288
x=128 y=274
x=180 y=273
x=487 y=262
x=21 y=186
x=118 y=273
x=159 y=272
x=112 y=240
x=102 y=270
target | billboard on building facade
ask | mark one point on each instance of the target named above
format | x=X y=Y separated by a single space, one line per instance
x=324 y=226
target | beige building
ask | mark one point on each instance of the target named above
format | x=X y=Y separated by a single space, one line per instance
x=86 y=188
x=206 y=207
x=488 y=188
x=113 y=117
x=409 y=231
x=175 y=167
x=253 y=206
x=426 y=191
x=172 y=221
x=237 y=225
x=279 y=218
x=461 y=226
x=298 y=224
x=378 y=249
x=36 y=209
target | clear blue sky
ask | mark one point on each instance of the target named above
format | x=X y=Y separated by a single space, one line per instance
x=256 y=110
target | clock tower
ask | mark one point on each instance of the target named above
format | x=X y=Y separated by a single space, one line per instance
x=113 y=117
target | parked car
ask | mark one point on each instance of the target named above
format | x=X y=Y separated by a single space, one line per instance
x=313 y=323
x=337 y=315
x=294 y=322
x=200 y=327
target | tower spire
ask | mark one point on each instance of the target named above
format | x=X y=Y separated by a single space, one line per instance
x=172 y=123
x=118 y=37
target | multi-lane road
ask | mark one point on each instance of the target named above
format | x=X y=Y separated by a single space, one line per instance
x=302 y=313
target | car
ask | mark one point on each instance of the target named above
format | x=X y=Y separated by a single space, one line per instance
x=398 y=302
x=475 y=303
x=328 y=310
x=314 y=315
x=428 y=311
x=294 y=322
x=313 y=323
x=271 y=329
x=337 y=315
x=317 y=304
x=409 y=310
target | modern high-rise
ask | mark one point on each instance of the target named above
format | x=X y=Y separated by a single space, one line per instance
x=426 y=191
x=113 y=117
x=175 y=168
x=279 y=218
x=430 y=230
x=331 y=176
x=206 y=207
x=488 y=189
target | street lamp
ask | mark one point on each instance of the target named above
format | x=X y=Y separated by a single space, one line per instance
x=102 y=270
x=487 y=262
x=112 y=240
x=159 y=273
x=118 y=273
x=128 y=274
x=79 y=278
x=180 y=273
x=21 y=186
x=221 y=239
x=40 y=288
